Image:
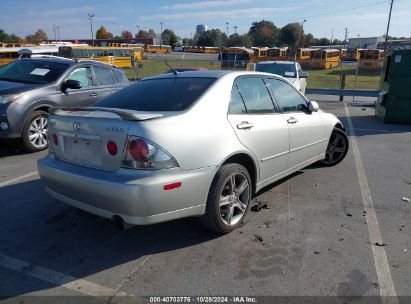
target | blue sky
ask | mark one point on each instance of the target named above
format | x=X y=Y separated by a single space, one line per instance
x=363 y=17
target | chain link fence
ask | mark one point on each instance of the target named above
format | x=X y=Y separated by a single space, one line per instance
x=362 y=74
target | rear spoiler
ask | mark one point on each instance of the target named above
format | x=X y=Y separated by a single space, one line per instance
x=124 y=114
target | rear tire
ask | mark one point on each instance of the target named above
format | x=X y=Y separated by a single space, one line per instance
x=228 y=199
x=337 y=148
x=34 y=133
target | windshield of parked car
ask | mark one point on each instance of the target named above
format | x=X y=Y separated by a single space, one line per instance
x=285 y=70
x=32 y=71
x=163 y=94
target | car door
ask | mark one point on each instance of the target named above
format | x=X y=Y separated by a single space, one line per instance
x=105 y=81
x=259 y=125
x=83 y=96
x=306 y=128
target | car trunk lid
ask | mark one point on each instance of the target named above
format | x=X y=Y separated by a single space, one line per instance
x=82 y=135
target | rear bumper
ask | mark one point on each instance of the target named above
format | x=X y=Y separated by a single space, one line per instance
x=136 y=196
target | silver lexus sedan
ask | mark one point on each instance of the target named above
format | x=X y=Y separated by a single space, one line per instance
x=186 y=144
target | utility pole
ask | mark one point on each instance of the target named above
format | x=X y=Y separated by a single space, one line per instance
x=346 y=36
x=55 y=35
x=332 y=35
x=138 y=30
x=235 y=29
x=58 y=32
x=161 y=33
x=226 y=24
x=388 y=26
x=302 y=32
x=91 y=16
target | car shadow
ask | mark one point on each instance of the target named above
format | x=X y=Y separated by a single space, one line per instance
x=10 y=148
x=44 y=232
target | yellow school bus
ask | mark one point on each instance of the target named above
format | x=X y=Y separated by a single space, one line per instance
x=299 y=54
x=211 y=50
x=11 y=44
x=371 y=59
x=154 y=48
x=343 y=54
x=276 y=53
x=353 y=54
x=325 y=59
x=260 y=53
x=236 y=58
x=8 y=55
x=124 y=57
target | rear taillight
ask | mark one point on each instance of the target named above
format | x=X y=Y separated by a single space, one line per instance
x=143 y=154
x=112 y=148
x=55 y=139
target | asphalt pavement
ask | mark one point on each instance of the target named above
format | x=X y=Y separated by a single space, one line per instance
x=317 y=236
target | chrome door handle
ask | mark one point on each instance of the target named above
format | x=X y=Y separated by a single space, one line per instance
x=244 y=125
x=93 y=94
x=292 y=120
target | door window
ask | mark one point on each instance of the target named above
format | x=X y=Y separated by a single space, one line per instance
x=250 y=95
x=104 y=76
x=83 y=75
x=287 y=97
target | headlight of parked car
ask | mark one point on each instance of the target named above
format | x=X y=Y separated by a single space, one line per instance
x=9 y=98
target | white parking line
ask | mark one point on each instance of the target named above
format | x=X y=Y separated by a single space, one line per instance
x=16 y=179
x=57 y=278
x=387 y=289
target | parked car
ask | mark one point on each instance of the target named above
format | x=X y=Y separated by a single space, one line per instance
x=29 y=87
x=185 y=69
x=288 y=69
x=192 y=144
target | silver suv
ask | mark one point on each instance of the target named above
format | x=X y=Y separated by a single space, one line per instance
x=29 y=87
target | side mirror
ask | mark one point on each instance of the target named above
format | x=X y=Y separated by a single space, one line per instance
x=313 y=106
x=70 y=84
x=303 y=74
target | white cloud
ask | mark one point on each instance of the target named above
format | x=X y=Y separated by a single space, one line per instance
x=208 y=15
x=61 y=12
x=204 y=4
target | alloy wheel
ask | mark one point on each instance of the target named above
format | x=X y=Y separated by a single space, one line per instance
x=38 y=132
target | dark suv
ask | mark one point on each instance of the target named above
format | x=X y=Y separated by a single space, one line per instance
x=29 y=87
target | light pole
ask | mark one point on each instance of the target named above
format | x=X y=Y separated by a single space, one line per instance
x=55 y=35
x=91 y=16
x=302 y=32
x=138 y=30
x=161 y=33
x=58 y=32
x=235 y=33
x=388 y=27
x=226 y=24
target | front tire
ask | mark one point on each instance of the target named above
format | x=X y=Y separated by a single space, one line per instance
x=229 y=199
x=337 y=148
x=35 y=132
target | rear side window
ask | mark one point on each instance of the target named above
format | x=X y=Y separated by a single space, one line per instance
x=103 y=76
x=119 y=76
x=167 y=94
x=254 y=94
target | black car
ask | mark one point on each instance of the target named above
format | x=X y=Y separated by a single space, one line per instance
x=29 y=87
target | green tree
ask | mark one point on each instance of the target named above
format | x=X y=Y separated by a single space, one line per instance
x=169 y=38
x=102 y=33
x=240 y=40
x=126 y=34
x=323 y=41
x=38 y=37
x=151 y=33
x=3 y=35
x=308 y=40
x=291 y=34
x=213 y=37
x=263 y=33
x=142 y=34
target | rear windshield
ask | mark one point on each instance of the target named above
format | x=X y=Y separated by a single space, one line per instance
x=285 y=70
x=32 y=71
x=167 y=94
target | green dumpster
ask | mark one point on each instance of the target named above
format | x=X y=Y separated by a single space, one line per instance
x=394 y=103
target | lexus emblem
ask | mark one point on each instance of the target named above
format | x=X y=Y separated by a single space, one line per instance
x=76 y=126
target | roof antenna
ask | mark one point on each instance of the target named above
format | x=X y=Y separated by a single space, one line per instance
x=165 y=61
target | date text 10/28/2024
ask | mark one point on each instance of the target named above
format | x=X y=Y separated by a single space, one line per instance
x=206 y=299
